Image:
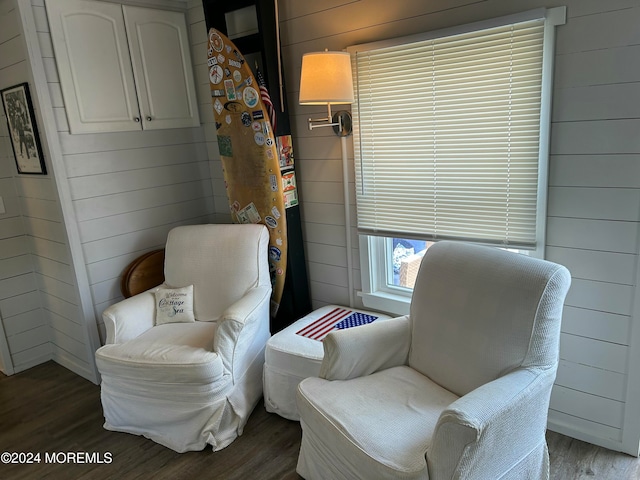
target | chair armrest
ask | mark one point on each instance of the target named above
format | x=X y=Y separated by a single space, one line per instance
x=239 y=323
x=507 y=416
x=130 y=317
x=360 y=351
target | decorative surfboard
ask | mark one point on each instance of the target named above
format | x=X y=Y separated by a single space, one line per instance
x=248 y=152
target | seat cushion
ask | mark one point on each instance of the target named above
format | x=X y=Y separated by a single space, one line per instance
x=390 y=415
x=170 y=353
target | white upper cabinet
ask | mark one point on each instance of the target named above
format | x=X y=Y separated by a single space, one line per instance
x=90 y=44
x=122 y=68
x=159 y=47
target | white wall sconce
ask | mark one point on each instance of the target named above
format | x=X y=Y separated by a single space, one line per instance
x=326 y=80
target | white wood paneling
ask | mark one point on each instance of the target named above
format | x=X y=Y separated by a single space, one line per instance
x=54 y=269
x=50 y=249
x=70 y=329
x=13 y=247
x=328 y=293
x=13 y=286
x=108 y=247
x=102 y=162
x=595 y=381
x=110 y=183
x=590 y=7
x=326 y=192
x=593 y=352
x=330 y=274
x=8 y=226
x=15 y=305
x=327 y=254
x=8 y=24
x=605 y=235
x=69 y=360
x=11 y=52
x=23 y=322
x=37 y=187
x=53 y=286
x=328 y=213
x=110 y=268
x=585 y=33
x=67 y=343
x=114 y=204
x=595 y=203
x=597 y=67
x=606 y=171
x=14 y=266
x=326 y=234
x=26 y=340
x=108 y=142
x=32 y=357
x=596 y=137
x=21 y=318
x=40 y=209
x=601 y=296
x=64 y=309
x=596 y=102
x=608 y=327
x=139 y=220
x=596 y=265
x=598 y=409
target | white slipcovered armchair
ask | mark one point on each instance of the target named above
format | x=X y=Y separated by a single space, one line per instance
x=458 y=389
x=186 y=385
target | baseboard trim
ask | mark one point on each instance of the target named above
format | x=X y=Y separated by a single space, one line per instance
x=564 y=428
x=71 y=363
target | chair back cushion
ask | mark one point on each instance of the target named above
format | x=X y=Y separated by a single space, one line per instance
x=222 y=262
x=478 y=313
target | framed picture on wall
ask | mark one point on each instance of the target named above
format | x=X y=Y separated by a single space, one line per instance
x=23 y=131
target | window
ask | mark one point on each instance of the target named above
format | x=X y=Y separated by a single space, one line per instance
x=451 y=142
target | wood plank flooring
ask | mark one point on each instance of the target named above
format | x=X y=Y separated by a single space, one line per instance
x=49 y=409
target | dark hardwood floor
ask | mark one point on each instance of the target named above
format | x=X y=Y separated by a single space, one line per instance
x=51 y=411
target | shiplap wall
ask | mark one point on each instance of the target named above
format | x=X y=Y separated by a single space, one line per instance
x=594 y=208
x=122 y=193
x=199 y=42
x=594 y=187
x=23 y=319
x=128 y=189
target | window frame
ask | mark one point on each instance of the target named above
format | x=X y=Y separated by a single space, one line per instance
x=376 y=293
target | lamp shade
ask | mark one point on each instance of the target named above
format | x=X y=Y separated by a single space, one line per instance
x=326 y=78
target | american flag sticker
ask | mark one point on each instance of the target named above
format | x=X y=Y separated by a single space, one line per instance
x=336 y=319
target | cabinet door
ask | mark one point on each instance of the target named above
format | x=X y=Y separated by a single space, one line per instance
x=90 y=44
x=159 y=46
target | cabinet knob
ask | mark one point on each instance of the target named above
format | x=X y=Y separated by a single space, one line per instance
x=137 y=119
x=148 y=119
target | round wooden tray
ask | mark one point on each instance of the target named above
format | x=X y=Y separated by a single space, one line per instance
x=143 y=273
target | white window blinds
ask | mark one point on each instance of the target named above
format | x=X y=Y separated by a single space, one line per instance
x=447 y=136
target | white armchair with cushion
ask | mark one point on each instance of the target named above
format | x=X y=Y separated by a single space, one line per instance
x=187 y=380
x=458 y=389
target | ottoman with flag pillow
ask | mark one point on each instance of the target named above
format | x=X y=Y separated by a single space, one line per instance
x=296 y=352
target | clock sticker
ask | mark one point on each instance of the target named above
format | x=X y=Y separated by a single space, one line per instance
x=216 y=74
